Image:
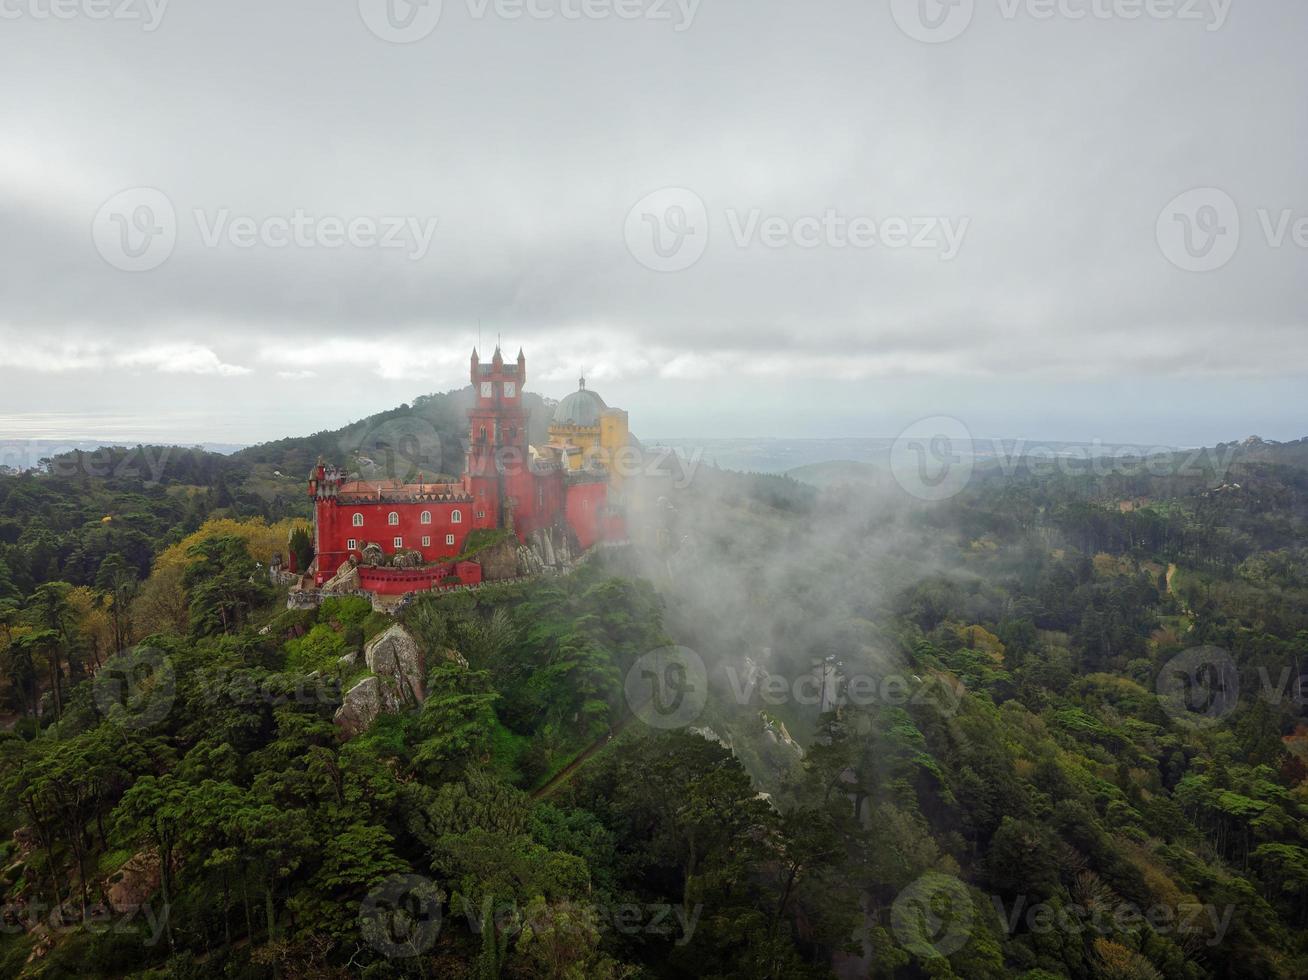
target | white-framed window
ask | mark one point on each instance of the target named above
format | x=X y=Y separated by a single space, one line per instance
x=352 y=545
x=358 y=520
x=393 y=519
x=426 y=541
x=399 y=543
x=449 y=540
x=426 y=517
x=456 y=517
x=481 y=514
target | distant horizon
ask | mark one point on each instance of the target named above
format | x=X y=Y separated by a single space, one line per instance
x=130 y=439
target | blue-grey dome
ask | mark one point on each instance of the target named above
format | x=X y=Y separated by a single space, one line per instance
x=582 y=407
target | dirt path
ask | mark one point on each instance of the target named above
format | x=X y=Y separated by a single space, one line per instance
x=564 y=774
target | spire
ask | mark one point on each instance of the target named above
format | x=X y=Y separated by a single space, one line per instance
x=581 y=383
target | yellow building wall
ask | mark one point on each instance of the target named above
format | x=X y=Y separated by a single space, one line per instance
x=613 y=437
x=600 y=443
x=586 y=439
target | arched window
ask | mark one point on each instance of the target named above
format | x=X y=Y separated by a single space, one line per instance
x=456 y=517
x=426 y=517
x=393 y=519
x=358 y=520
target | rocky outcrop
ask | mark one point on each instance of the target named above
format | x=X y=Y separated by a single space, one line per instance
x=529 y=562
x=545 y=549
x=396 y=654
x=132 y=885
x=344 y=581
x=399 y=671
x=500 y=561
x=407 y=559
x=365 y=702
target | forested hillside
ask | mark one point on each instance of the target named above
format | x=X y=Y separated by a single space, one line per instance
x=792 y=733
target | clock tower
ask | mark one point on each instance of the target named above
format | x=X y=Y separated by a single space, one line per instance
x=497 y=433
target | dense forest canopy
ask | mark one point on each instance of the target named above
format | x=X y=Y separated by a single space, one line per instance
x=923 y=740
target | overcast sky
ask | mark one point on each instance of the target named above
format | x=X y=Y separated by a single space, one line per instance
x=240 y=220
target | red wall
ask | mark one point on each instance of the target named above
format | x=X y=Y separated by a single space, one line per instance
x=398 y=581
x=336 y=528
x=586 y=503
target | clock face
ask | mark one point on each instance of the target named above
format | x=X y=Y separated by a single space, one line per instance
x=487 y=388
x=509 y=389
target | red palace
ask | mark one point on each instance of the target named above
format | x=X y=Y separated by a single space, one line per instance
x=506 y=484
